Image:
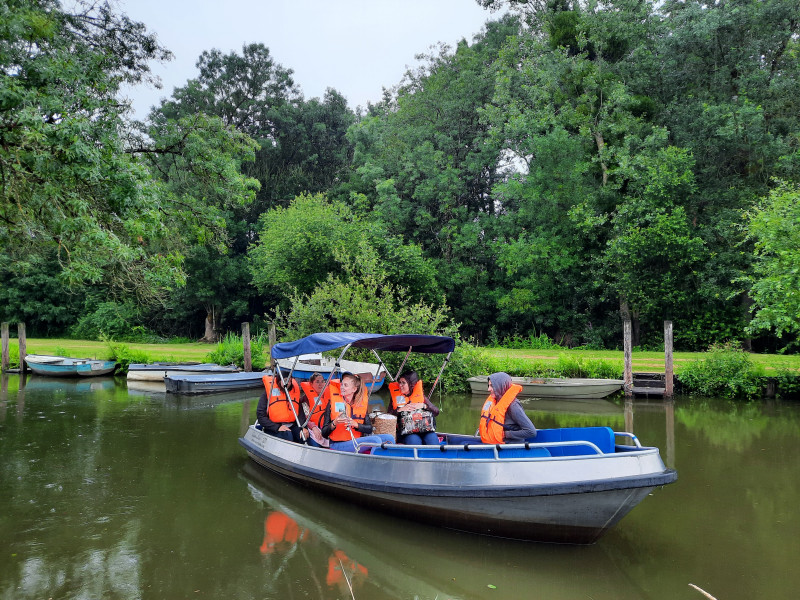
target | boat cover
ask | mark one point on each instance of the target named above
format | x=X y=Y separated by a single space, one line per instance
x=320 y=342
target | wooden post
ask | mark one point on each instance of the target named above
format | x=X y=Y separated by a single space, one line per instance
x=23 y=347
x=248 y=362
x=272 y=340
x=668 y=369
x=626 y=344
x=5 y=358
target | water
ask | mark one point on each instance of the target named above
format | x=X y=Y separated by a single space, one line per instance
x=110 y=493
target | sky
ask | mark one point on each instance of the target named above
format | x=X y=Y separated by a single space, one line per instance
x=357 y=47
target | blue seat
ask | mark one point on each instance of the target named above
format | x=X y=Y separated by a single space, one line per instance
x=602 y=437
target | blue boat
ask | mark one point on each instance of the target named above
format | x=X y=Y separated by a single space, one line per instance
x=62 y=366
x=371 y=374
x=567 y=485
x=217 y=382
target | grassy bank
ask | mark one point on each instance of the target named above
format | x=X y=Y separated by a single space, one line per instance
x=643 y=362
x=196 y=352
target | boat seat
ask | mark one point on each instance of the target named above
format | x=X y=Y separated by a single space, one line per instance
x=602 y=437
x=436 y=452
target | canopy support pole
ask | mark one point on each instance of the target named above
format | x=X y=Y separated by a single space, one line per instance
x=444 y=364
x=403 y=364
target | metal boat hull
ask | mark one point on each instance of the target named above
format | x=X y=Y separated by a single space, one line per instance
x=205 y=384
x=554 y=387
x=569 y=499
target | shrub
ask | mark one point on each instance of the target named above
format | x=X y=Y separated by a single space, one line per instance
x=230 y=351
x=725 y=371
x=125 y=355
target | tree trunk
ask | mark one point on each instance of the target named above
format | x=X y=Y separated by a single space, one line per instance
x=210 y=327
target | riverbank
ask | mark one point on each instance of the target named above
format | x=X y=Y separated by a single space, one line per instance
x=643 y=362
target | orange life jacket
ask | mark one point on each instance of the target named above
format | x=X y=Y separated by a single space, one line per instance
x=493 y=415
x=278 y=527
x=279 y=409
x=417 y=395
x=335 y=571
x=311 y=394
x=337 y=406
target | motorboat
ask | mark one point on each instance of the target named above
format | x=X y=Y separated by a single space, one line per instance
x=554 y=387
x=63 y=366
x=567 y=485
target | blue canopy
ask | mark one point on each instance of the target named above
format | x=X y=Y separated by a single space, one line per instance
x=320 y=342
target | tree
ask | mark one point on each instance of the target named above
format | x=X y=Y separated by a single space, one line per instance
x=68 y=187
x=774 y=228
x=299 y=246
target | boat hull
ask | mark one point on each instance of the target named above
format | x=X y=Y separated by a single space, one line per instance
x=554 y=387
x=366 y=371
x=69 y=367
x=157 y=372
x=551 y=499
x=206 y=384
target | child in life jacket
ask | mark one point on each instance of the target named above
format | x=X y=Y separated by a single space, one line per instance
x=407 y=395
x=345 y=422
x=503 y=420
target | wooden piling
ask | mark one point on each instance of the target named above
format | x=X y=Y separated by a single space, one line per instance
x=668 y=368
x=272 y=340
x=6 y=356
x=627 y=347
x=248 y=361
x=23 y=347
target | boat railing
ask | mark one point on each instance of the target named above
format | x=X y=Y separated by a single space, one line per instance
x=635 y=440
x=497 y=450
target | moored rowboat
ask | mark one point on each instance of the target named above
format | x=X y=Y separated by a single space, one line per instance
x=158 y=371
x=62 y=366
x=554 y=387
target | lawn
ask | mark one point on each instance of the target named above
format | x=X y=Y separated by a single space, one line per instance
x=643 y=362
x=196 y=352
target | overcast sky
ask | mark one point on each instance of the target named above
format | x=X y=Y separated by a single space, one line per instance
x=355 y=46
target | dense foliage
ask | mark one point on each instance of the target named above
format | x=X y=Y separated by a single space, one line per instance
x=576 y=162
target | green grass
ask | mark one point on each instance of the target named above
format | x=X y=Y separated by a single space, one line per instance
x=642 y=361
x=191 y=352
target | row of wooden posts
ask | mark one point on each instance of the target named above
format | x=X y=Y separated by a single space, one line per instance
x=628 y=353
x=4 y=329
x=248 y=362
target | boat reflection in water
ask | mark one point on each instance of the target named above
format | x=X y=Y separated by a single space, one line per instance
x=39 y=383
x=313 y=544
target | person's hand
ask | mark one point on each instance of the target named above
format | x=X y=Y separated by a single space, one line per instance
x=304 y=434
x=284 y=428
x=416 y=406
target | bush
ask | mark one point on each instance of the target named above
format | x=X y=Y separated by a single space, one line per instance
x=125 y=355
x=725 y=371
x=230 y=351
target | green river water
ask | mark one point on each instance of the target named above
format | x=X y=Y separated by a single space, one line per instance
x=114 y=493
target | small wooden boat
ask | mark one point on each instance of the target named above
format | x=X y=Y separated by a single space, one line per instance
x=553 y=387
x=215 y=382
x=566 y=485
x=372 y=374
x=62 y=366
x=158 y=371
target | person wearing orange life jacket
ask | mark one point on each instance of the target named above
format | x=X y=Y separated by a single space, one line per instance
x=345 y=417
x=314 y=403
x=274 y=412
x=407 y=394
x=503 y=420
